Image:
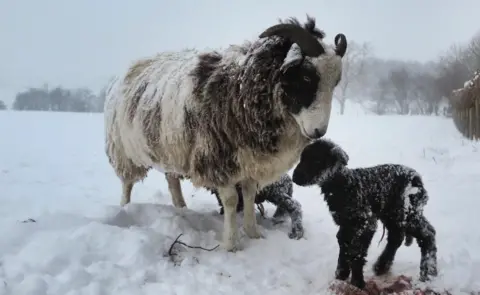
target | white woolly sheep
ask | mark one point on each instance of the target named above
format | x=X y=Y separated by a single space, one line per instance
x=239 y=116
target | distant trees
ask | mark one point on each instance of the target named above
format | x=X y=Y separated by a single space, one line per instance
x=386 y=86
x=381 y=86
x=352 y=73
x=59 y=99
x=3 y=106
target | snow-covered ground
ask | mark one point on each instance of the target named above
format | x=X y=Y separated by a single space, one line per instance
x=53 y=169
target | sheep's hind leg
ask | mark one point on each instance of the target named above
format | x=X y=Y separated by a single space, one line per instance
x=129 y=177
x=127 y=187
x=249 y=191
x=175 y=189
x=228 y=196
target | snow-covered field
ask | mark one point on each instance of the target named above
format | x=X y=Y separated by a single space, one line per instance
x=53 y=169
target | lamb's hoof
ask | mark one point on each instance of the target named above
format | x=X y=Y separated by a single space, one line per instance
x=339 y=287
x=123 y=203
x=296 y=233
x=428 y=277
x=342 y=274
x=381 y=268
x=276 y=221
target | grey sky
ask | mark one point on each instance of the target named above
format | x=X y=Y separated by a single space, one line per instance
x=84 y=42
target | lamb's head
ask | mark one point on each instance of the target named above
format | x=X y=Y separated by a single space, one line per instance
x=309 y=74
x=318 y=162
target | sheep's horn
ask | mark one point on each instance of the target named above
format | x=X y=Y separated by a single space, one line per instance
x=307 y=42
x=341 y=44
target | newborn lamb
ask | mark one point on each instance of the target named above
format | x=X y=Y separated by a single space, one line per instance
x=358 y=197
x=278 y=193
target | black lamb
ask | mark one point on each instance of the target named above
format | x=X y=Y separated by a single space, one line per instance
x=357 y=198
x=278 y=193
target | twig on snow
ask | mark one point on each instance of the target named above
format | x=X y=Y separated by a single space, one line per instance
x=170 y=253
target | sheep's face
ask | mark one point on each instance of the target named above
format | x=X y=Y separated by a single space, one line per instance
x=318 y=162
x=309 y=73
x=308 y=89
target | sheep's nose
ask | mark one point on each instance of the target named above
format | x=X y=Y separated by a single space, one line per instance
x=319 y=133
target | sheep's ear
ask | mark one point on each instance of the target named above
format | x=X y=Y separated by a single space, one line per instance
x=341 y=154
x=294 y=58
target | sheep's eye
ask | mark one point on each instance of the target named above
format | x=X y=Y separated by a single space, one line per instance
x=306 y=78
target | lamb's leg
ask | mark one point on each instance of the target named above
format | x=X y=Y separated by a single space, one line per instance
x=344 y=237
x=229 y=198
x=249 y=191
x=425 y=233
x=279 y=215
x=395 y=237
x=358 y=250
x=175 y=190
x=294 y=209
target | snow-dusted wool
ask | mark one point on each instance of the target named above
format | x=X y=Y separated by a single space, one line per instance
x=279 y=194
x=357 y=198
x=241 y=115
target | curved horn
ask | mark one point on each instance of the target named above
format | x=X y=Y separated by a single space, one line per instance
x=307 y=42
x=341 y=44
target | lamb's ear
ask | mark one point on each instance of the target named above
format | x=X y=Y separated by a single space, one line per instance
x=341 y=154
x=294 y=58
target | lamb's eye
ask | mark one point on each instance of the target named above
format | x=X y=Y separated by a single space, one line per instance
x=306 y=78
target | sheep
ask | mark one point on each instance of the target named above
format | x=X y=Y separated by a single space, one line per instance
x=278 y=193
x=356 y=198
x=242 y=115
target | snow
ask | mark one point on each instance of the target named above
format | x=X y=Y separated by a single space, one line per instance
x=53 y=169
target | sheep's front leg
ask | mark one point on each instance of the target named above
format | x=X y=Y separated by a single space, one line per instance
x=229 y=198
x=249 y=191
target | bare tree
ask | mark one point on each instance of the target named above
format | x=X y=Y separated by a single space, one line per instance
x=401 y=82
x=3 y=106
x=472 y=53
x=353 y=70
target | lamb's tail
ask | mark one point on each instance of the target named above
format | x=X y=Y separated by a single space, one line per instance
x=383 y=234
x=408 y=238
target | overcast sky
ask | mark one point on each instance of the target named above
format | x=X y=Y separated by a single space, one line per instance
x=84 y=42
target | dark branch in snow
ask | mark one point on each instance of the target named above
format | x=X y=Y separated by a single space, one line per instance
x=170 y=251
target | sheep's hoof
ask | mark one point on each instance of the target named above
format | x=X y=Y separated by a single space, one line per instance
x=253 y=233
x=230 y=246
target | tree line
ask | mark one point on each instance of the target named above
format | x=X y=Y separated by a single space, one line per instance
x=385 y=86
x=381 y=86
x=59 y=99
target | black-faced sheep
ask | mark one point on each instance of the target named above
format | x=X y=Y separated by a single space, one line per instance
x=242 y=115
x=356 y=198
